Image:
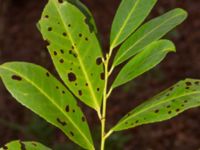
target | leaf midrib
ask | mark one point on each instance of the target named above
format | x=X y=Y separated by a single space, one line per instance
x=50 y=99
x=124 y=25
x=94 y=98
x=162 y=102
x=125 y=52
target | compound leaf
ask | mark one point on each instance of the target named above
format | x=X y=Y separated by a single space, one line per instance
x=129 y=16
x=152 y=55
x=21 y=145
x=75 y=51
x=35 y=88
x=149 y=32
x=180 y=97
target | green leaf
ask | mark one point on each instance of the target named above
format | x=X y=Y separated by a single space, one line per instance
x=35 y=88
x=149 y=32
x=20 y=145
x=75 y=51
x=152 y=55
x=129 y=16
x=89 y=17
x=180 y=97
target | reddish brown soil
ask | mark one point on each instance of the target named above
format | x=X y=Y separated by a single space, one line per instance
x=20 y=40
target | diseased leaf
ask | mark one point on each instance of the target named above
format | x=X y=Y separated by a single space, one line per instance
x=21 y=145
x=180 y=97
x=35 y=88
x=149 y=32
x=152 y=55
x=75 y=51
x=129 y=16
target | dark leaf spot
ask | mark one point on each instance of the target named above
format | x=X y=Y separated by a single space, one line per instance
x=137 y=121
x=102 y=75
x=72 y=47
x=98 y=89
x=83 y=119
x=64 y=34
x=86 y=39
x=76 y=84
x=62 y=51
x=57 y=87
x=49 y=28
x=69 y=25
x=156 y=111
x=182 y=105
x=86 y=84
x=80 y=35
x=169 y=112
x=126 y=123
x=98 y=61
x=71 y=77
x=16 y=77
x=67 y=108
x=55 y=53
x=73 y=110
x=188 y=83
x=197 y=82
x=47 y=74
x=185 y=101
x=61 y=61
x=80 y=93
x=168 y=106
x=60 y=1
x=171 y=88
x=63 y=123
x=177 y=110
x=63 y=92
x=70 y=51
x=72 y=134
x=46 y=16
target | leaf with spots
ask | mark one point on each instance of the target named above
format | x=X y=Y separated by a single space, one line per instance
x=38 y=90
x=75 y=51
x=149 y=32
x=152 y=55
x=180 y=97
x=129 y=16
x=21 y=145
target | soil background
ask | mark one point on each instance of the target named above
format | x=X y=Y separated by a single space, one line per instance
x=21 y=41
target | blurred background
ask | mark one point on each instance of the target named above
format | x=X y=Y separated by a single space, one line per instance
x=20 y=40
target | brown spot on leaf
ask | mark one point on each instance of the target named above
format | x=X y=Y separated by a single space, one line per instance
x=80 y=93
x=55 y=53
x=62 y=51
x=71 y=77
x=63 y=123
x=156 y=111
x=72 y=134
x=64 y=34
x=102 y=75
x=47 y=74
x=61 y=61
x=98 y=61
x=83 y=119
x=49 y=28
x=67 y=108
x=80 y=35
x=16 y=77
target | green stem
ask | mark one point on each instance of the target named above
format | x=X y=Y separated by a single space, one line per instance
x=104 y=136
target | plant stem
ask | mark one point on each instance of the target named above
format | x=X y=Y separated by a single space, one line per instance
x=105 y=96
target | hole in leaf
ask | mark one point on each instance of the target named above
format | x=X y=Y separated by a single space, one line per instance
x=16 y=77
x=71 y=77
x=63 y=123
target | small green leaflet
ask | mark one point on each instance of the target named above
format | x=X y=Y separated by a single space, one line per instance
x=21 y=145
x=149 y=32
x=75 y=51
x=129 y=16
x=180 y=97
x=152 y=55
x=35 y=88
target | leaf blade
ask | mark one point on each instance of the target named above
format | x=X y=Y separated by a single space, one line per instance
x=128 y=17
x=19 y=145
x=149 y=32
x=151 y=55
x=169 y=103
x=39 y=91
x=76 y=41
